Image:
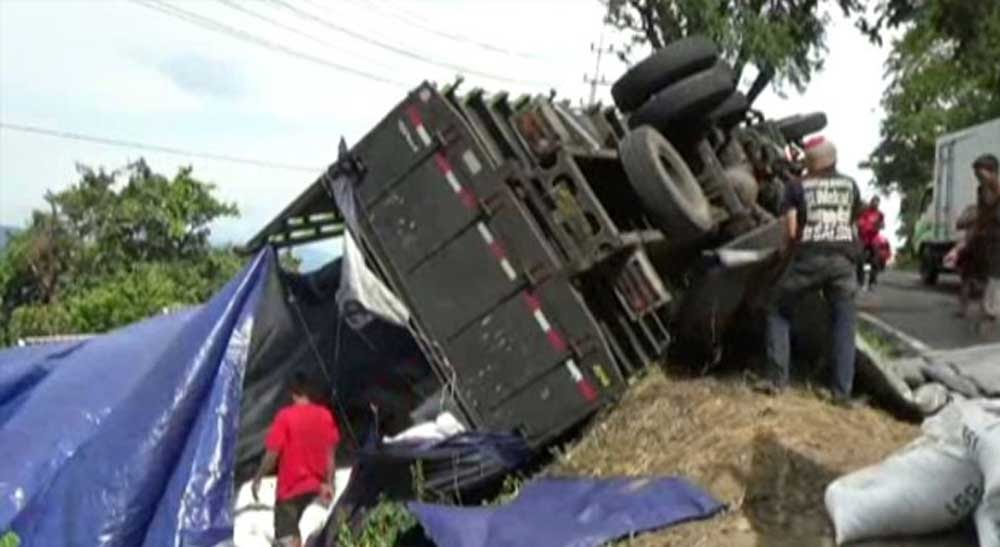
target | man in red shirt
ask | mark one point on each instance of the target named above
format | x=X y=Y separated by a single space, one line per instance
x=302 y=443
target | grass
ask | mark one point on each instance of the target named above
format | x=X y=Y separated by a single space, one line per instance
x=385 y=525
x=886 y=346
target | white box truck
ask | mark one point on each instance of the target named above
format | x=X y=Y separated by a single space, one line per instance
x=952 y=190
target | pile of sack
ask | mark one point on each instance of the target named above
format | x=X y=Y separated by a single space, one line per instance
x=950 y=473
x=929 y=381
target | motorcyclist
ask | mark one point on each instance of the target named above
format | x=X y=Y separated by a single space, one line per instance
x=870 y=223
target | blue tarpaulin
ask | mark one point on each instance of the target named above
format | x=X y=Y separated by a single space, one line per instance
x=128 y=438
x=447 y=467
x=568 y=512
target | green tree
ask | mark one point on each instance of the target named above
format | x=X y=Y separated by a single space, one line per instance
x=943 y=76
x=784 y=39
x=113 y=248
x=151 y=217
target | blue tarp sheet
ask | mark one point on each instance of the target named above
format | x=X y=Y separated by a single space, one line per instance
x=458 y=464
x=128 y=439
x=568 y=512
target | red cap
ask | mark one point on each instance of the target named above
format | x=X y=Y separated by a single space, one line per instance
x=820 y=154
x=814 y=142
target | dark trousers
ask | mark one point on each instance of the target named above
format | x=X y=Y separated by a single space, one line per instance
x=835 y=276
x=869 y=257
x=287 y=514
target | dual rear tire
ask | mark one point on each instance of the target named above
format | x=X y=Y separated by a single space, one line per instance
x=668 y=189
x=680 y=87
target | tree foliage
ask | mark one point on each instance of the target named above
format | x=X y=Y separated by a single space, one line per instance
x=944 y=75
x=785 y=40
x=113 y=248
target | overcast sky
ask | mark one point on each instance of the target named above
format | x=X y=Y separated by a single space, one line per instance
x=116 y=69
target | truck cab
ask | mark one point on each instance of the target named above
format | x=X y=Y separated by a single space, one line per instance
x=931 y=248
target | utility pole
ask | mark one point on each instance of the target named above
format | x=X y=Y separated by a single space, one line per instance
x=598 y=78
x=599 y=49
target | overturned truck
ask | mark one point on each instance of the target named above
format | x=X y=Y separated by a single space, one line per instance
x=540 y=254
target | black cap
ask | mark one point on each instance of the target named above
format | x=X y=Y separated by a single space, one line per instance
x=987 y=161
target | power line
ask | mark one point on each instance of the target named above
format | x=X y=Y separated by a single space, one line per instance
x=215 y=26
x=316 y=4
x=152 y=147
x=419 y=23
x=399 y=50
x=299 y=32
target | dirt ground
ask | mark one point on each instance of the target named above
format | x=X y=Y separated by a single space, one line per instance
x=769 y=459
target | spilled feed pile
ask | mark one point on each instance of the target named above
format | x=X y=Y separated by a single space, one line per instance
x=768 y=458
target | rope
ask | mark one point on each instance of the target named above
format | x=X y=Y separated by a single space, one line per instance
x=319 y=362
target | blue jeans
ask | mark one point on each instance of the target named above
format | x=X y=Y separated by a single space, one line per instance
x=835 y=276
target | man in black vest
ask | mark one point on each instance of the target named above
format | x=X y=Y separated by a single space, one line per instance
x=820 y=212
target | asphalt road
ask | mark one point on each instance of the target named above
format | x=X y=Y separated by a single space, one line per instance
x=922 y=312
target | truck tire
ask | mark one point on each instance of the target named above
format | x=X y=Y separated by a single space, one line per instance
x=928 y=267
x=668 y=190
x=731 y=112
x=690 y=98
x=675 y=61
x=794 y=128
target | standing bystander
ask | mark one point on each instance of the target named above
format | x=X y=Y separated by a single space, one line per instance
x=987 y=235
x=968 y=261
x=821 y=211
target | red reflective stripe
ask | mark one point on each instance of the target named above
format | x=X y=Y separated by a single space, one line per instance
x=468 y=198
x=533 y=303
x=556 y=340
x=464 y=194
x=413 y=113
x=587 y=390
x=442 y=162
x=497 y=249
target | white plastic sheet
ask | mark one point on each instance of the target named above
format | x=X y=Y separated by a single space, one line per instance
x=361 y=295
x=441 y=428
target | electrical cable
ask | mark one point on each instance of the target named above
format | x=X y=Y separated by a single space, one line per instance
x=153 y=147
x=401 y=51
x=215 y=26
x=321 y=364
x=297 y=31
x=419 y=23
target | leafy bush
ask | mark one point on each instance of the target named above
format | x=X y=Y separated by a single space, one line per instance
x=113 y=249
